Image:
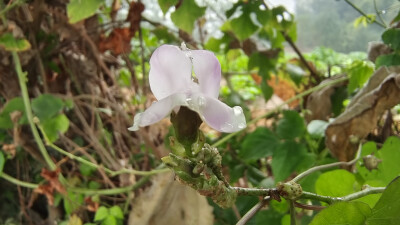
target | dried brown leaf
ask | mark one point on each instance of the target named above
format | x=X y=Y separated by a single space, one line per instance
x=319 y=103
x=360 y=117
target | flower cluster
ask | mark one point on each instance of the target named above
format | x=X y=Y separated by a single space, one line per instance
x=174 y=85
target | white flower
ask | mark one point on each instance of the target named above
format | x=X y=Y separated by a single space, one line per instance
x=173 y=84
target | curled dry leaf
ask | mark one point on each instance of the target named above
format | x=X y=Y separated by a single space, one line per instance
x=319 y=103
x=52 y=178
x=361 y=116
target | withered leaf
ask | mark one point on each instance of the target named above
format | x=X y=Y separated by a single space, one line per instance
x=361 y=116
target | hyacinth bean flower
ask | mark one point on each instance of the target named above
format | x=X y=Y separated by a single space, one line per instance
x=172 y=82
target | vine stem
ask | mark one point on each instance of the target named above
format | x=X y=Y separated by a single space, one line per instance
x=252 y=212
x=363 y=13
x=328 y=199
x=28 y=111
x=327 y=166
x=301 y=95
x=96 y=166
x=18 y=182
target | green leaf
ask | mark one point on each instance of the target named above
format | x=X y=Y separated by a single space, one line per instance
x=267 y=90
x=343 y=213
x=261 y=143
x=392 y=59
x=390 y=155
x=291 y=125
x=386 y=210
x=242 y=26
x=116 y=212
x=72 y=201
x=86 y=170
x=110 y=220
x=316 y=128
x=78 y=10
x=187 y=13
x=335 y=183
x=10 y=43
x=286 y=159
x=166 y=4
x=15 y=104
x=359 y=72
x=391 y=38
x=101 y=213
x=2 y=162
x=46 y=106
x=55 y=125
x=261 y=61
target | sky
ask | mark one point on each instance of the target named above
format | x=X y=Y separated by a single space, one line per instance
x=289 y=4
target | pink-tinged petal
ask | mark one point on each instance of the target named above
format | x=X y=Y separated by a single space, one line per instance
x=220 y=116
x=157 y=111
x=208 y=72
x=170 y=71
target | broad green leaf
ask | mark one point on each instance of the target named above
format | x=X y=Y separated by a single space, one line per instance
x=296 y=73
x=371 y=200
x=86 y=170
x=116 y=212
x=391 y=38
x=390 y=155
x=10 y=43
x=267 y=90
x=286 y=159
x=2 y=162
x=316 y=128
x=335 y=183
x=242 y=26
x=343 y=213
x=78 y=10
x=260 y=143
x=46 y=106
x=387 y=209
x=55 y=125
x=109 y=220
x=267 y=217
x=263 y=63
x=101 y=213
x=72 y=201
x=392 y=59
x=187 y=13
x=368 y=149
x=15 y=104
x=359 y=72
x=166 y=4
x=291 y=125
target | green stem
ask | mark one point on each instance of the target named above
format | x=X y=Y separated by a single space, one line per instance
x=253 y=191
x=18 y=182
x=9 y=7
x=379 y=14
x=28 y=111
x=364 y=14
x=292 y=213
x=350 y=197
x=301 y=95
x=94 y=165
x=327 y=166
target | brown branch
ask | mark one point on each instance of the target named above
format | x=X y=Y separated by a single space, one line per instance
x=302 y=59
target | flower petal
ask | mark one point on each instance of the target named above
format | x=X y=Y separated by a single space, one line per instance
x=157 y=111
x=220 y=116
x=208 y=72
x=170 y=71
